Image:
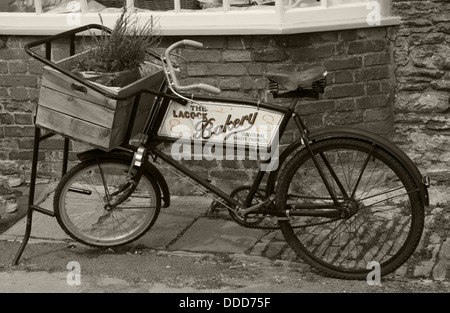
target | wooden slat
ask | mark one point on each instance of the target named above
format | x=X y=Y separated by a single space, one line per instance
x=151 y=82
x=59 y=82
x=81 y=109
x=73 y=128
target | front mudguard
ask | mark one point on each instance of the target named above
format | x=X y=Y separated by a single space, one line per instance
x=356 y=133
x=128 y=156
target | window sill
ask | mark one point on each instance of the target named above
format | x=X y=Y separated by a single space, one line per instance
x=259 y=22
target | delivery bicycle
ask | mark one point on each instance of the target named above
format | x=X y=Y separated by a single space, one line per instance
x=342 y=197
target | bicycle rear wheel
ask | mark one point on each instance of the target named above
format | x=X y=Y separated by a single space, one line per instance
x=95 y=204
x=383 y=215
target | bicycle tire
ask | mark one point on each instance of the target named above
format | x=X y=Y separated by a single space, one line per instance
x=81 y=205
x=384 y=226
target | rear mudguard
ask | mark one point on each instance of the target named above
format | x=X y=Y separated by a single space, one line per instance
x=128 y=156
x=356 y=133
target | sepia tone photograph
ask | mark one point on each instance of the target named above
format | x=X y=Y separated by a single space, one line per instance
x=225 y=152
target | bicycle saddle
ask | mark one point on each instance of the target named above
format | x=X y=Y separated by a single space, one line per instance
x=293 y=80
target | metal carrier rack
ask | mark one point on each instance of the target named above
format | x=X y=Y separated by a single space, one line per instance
x=39 y=136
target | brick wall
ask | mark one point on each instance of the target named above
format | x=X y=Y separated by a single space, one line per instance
x=360 y=81
x=422 y=102
x=360 y=89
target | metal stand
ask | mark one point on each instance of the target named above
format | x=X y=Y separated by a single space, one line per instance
x=31 y=207
x=38 y=137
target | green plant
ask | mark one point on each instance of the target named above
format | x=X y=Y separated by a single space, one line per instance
x=124 y=49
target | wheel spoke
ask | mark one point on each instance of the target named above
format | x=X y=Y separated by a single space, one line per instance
x=377 y=220
x=88 y=217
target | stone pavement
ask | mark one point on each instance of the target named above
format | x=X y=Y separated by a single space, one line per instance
x=184 y=226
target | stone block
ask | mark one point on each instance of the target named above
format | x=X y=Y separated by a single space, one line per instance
x=317 y=107
x=373 y=101
x=428 y=102
x=378 y=114
x=270 y=54
x=343 y=64
x=17 y=67
x=315 y=52
x=6 y=119
x=373 y=73
x=364 y=46
x=237 y=55
x=19 y=94
x=18 y=80
x=342 y=77
x=23 y=118
x=198 y=55
x=345 y=90
x=19 y=131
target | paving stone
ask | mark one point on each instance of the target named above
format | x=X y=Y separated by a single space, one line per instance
x=274 y=249
x=15 y=181
x=261 y=245
x=401 y=271
x=11 y=207
x=43 y=227
x=166 y=229
x=442 y=266
x=217 y=235
x=249 y=259
x=290 y=255
x=424 y=269
x=434 y=239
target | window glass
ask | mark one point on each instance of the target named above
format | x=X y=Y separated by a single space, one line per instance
x=333 y=2
x=166 y=5
x=68 y=6
x=292 y=4
x=56 y=6
x=251 y=4
x=17 y=6
x=64 y=6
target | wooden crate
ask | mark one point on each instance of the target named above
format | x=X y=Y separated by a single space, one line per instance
x=91 y=117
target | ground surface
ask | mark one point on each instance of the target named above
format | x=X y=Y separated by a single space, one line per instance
x=43 y=268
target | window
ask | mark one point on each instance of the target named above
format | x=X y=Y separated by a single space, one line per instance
x=198 y=17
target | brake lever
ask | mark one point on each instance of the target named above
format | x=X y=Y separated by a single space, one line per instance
x=179 y=56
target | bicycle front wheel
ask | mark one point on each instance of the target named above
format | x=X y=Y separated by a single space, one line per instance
x=381 y=215
x=96 y=205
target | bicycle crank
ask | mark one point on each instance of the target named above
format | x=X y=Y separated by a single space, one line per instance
x=250 y=217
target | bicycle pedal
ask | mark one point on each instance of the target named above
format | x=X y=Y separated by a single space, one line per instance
x=215 y=207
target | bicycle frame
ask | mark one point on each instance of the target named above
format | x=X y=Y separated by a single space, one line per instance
x=289 y=113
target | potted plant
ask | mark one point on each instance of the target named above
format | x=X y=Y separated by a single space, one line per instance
x=114 y=62
x=115 y=59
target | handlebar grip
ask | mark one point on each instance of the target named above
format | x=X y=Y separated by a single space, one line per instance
x=192 y=43
x=209 y=88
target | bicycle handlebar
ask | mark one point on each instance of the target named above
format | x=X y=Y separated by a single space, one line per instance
x=201 y=86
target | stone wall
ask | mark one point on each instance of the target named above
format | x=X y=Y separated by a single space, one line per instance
x=360 y=89
x=422 y=99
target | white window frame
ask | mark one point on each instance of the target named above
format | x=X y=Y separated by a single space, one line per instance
x=276 y=20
